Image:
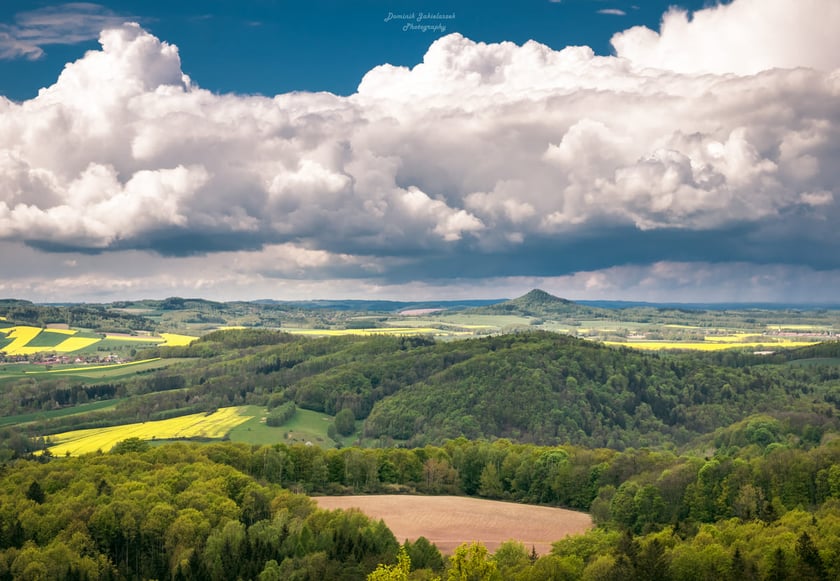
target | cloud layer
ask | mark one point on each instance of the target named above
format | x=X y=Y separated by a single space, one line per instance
x=483 y=161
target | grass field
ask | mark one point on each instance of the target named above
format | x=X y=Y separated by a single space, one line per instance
x=68 y=411
x=448 y=521
x=215 y=425
x=99 y=368
x=305 y=426
x=84 y=372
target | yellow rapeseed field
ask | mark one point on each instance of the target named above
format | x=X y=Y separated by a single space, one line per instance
x=707 y=346
x=175 y=340
x=22 y=334
x=72 y=344
x=214 y=425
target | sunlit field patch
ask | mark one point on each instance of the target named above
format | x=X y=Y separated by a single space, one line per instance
x=175 y=340
x=215 y=425
x=707 y=346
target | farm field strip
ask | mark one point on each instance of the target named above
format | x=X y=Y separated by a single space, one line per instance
x=84 y=408
x=798 y=327
x=448 y=521
x=708 y=346
x=215 y=425
x=97 y=367
x=74 y=344
x=733 y=338
x=376 y=331
x=133 y=338
x=60 y=331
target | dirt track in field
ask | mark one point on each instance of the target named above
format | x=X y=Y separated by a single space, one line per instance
x=448 y=521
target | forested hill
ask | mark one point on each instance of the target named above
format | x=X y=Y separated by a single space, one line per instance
x=547 y=388
x=95 y=317
x=532 y=387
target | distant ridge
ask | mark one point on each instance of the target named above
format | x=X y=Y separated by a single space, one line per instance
x=383 y=306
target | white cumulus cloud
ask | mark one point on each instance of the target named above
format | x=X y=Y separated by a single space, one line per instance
x=480 y=152
x=742 y=37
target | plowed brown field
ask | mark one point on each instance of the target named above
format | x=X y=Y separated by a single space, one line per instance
x=448 y=521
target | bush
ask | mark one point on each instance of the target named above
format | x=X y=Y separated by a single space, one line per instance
x=280 y=415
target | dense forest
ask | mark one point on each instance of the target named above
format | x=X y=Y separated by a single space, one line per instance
x=766 y=505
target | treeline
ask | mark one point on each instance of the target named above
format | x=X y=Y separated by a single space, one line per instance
x=773 y=472
x=95 y=317
x=533 y=387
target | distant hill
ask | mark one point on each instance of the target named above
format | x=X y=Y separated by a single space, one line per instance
x=538 y=303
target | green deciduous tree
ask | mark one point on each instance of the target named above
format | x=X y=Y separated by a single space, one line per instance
x=471 y=562
x=398 y=572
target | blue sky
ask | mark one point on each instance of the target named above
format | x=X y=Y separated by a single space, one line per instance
x=277 y=46
x=599 y=149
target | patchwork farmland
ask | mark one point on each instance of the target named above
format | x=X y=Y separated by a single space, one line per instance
x=23 y=340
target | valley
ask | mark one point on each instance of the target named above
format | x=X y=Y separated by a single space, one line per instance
x=656 y=427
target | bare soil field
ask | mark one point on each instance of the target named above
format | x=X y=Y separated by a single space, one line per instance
x=448 y=521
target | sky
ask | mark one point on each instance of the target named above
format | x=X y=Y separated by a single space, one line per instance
x=415 y=150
